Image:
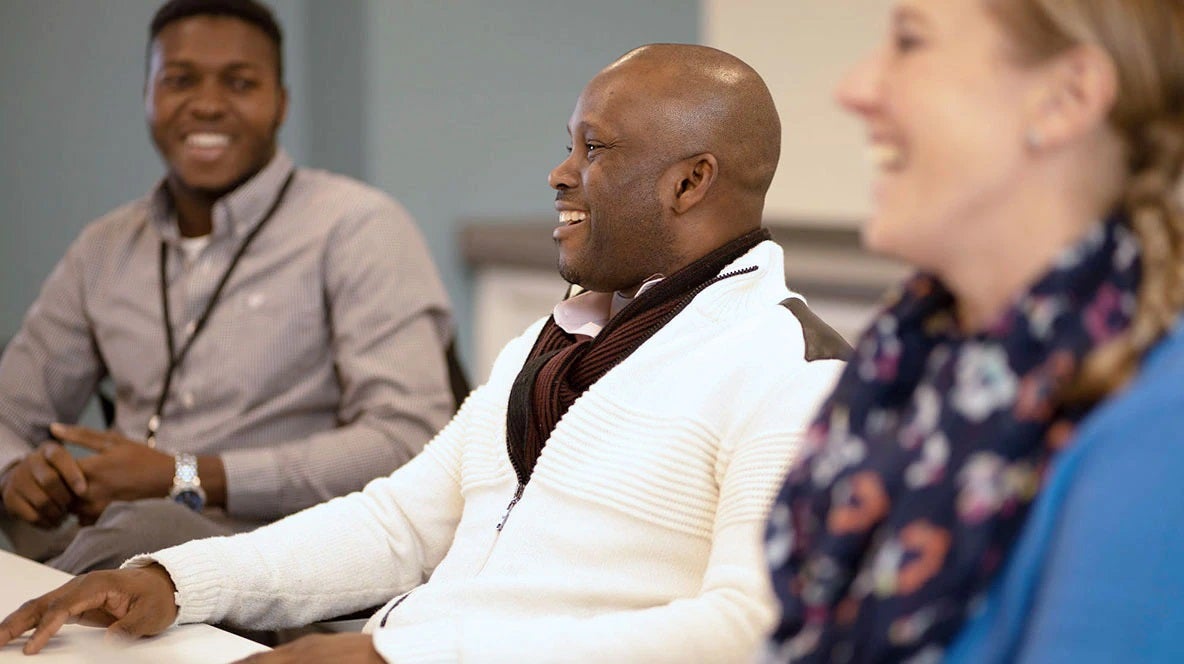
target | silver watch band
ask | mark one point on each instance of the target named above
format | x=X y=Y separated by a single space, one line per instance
x=185 y=475
x=186 y=483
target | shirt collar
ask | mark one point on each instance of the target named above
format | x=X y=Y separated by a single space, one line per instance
x=234 y=214
x=588 y=312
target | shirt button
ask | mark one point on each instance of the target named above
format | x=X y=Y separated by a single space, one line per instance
x=190 y=328
x=187 y=399
x=255 y=300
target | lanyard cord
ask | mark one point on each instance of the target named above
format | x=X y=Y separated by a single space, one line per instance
x=176 y=358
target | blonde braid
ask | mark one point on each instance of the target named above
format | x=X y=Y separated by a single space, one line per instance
x=1153 y=207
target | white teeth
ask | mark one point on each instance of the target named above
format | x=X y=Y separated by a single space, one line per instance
x=572 y=216
x=207 y=140
x=885 y=156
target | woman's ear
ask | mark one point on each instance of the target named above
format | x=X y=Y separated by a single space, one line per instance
x=690 y=180
x=1075 y=99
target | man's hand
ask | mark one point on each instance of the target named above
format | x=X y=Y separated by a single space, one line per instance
x=337 y=648
x=122 y=469
x=128 y=602
x=41 y=488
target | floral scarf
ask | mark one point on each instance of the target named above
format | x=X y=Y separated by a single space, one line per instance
x=920 y=468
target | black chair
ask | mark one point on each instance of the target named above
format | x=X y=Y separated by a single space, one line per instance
x=458 y=380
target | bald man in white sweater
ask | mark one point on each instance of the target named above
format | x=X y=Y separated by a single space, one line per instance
x=603 y=496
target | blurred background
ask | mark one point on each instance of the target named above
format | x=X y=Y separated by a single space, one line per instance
x=455 y=107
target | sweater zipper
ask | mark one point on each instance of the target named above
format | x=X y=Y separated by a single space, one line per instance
x=509 y=508
x=501 y=523
x=523 y=477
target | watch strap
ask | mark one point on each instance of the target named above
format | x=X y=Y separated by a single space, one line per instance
x=186 y=483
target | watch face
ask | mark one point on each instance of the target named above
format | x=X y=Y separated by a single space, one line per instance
x=190 y=499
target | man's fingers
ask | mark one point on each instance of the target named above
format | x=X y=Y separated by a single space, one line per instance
x=49 y=625
x=51 y=484
x=123 y=595
x=25 y=499
x=22 y=509
x=97 y=441
x=47 y=513
x=66 y=466
x=60 y=612
x=17 y=623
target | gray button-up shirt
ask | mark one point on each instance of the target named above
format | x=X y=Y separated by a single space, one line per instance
x=320 y=368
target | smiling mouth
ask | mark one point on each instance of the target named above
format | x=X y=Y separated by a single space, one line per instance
x=572 y=217
x=206 y=146
x=207 y=141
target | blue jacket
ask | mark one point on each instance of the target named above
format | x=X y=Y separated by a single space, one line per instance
x=1098 y=572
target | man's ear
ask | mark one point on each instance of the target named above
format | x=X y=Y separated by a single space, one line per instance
x=283 y=114
x=1075 y=98
x=691 y=180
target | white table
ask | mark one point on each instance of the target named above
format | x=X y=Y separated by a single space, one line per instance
x=22 y=579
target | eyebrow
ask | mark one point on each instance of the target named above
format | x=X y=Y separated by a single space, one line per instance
x=905 y=14
x=238 y=64
x=585 y=126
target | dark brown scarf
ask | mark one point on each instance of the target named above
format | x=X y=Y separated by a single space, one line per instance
x=561 y=366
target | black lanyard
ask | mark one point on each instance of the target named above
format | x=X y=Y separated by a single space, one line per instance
x=176 y=358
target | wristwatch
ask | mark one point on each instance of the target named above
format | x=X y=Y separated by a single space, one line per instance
x=186 y=484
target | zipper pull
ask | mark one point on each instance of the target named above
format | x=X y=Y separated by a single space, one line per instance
x=510 y=507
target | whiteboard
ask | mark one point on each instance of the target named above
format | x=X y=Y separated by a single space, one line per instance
x=802 y=48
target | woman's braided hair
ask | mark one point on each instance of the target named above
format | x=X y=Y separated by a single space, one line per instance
x=1145 y=41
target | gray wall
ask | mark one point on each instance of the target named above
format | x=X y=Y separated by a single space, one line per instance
x=457 y=108
x=470 y=100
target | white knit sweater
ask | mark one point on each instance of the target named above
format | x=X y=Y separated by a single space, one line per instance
x=637 y=539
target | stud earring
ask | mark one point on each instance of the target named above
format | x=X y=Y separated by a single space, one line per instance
x=1033 y=138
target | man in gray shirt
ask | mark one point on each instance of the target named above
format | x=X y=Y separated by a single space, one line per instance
x=275 y=336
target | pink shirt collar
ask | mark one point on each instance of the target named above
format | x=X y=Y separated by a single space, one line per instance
x=588 y=312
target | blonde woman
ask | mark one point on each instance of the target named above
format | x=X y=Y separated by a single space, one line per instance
x=1028 y=153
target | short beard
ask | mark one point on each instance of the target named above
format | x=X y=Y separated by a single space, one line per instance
x=569 y=274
